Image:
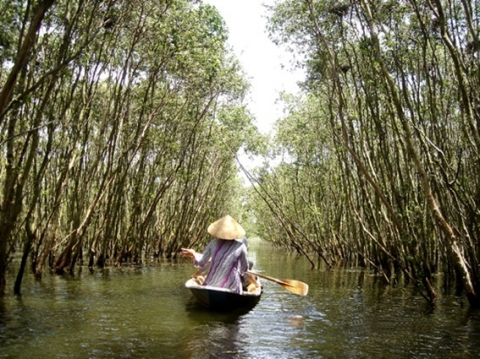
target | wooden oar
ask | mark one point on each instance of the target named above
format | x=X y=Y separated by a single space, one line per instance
x=291 y=285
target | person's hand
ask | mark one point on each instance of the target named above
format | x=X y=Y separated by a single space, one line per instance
x=187 y=252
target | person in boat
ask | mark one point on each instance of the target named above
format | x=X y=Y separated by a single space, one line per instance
x=227 y=254
x=249 y=281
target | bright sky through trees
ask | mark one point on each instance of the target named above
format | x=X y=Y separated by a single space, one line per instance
x=267 y=66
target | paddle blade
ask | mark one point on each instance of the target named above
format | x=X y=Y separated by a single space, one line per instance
x=295 y=286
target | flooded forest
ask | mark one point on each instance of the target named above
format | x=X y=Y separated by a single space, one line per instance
x=122 y=124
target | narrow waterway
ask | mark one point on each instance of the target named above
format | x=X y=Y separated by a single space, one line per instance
x=148 y=313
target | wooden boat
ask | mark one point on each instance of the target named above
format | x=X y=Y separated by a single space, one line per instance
x=223 y=299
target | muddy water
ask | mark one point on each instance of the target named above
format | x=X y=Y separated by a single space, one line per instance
x=147 y=313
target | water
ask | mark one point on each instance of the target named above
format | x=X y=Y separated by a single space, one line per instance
x=147 y=313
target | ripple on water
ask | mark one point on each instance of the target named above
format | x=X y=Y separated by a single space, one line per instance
x=149 y=313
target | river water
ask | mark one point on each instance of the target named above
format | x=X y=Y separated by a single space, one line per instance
x=148 y=313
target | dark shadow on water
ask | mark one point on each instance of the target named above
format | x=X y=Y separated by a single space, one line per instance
x=215 y=334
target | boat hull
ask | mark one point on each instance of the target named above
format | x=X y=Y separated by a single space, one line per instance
x=222 y=299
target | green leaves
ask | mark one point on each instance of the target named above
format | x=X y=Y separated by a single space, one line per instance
x=123 y=113
x=388 y=108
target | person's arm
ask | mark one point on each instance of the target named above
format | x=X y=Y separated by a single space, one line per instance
x=187 y=252
x=201 y=259
x=243 y=261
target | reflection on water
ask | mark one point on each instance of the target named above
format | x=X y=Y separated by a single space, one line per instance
x=148 y=313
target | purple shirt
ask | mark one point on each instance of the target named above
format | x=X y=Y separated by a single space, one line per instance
x=228 y=262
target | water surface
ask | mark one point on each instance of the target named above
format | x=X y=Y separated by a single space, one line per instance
x=148 y=313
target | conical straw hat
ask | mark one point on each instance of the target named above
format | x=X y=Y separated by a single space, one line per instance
x=226 y=228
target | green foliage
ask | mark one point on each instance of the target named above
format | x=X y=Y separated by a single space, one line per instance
x=379 y=156
x=125 y=109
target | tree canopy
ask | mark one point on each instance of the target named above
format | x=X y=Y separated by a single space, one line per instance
x=120 y=123
x=381 y=151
